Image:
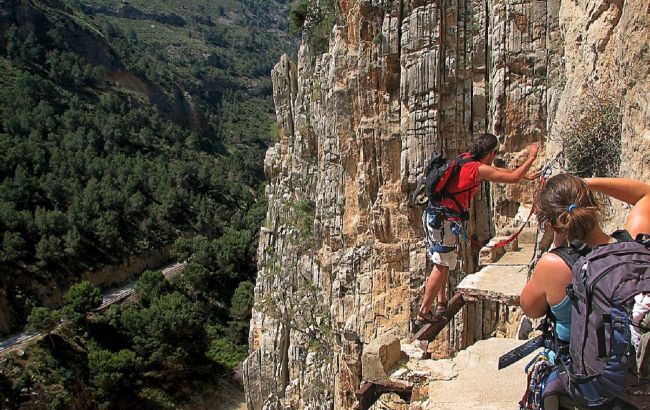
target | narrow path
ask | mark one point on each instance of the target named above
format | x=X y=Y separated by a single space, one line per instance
x=443 y=384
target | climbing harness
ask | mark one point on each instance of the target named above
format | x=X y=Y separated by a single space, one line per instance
x=538 y=371
x=457 y=229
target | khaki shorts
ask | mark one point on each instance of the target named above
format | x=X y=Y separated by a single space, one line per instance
x=441 y=240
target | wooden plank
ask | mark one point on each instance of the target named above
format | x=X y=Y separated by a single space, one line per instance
x=431 y=330
x=367 y=395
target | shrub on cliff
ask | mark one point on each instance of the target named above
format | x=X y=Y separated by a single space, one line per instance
x=591 y=143
x=316 y=18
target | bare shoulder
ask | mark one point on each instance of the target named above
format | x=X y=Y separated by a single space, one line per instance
x=550 y=269
x=485 y=172
x=545 y=286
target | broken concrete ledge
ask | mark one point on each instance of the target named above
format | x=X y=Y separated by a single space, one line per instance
x=496 y=283
x=471 y=379
x=500 y=281
x=379 y=356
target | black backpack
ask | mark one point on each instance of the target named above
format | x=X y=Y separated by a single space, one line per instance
x=432 y=187
x=605 y=281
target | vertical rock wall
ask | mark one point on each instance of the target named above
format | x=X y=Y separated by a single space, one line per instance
x=607 y=57
x=341 y=253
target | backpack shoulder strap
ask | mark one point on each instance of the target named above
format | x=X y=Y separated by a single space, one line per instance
x=461 y=160
x=622 y=235
x=567 y=254
x=464 y=158
x=436 y=160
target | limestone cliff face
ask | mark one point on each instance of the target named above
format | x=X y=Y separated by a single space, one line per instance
x=341 y=253
x=607 y=55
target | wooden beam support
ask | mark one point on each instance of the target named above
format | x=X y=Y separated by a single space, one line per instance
x=430 y=330
x=369 y=392
x=367 y=395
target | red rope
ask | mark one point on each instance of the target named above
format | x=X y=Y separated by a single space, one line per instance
x=513 y=237
x=504 y=242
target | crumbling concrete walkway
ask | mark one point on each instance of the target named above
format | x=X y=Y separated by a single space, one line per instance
x=503 y=277
x=471 y=379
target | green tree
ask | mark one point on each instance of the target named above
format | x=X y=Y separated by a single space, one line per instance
x=14 y=247
x=182 y=249
x=72 y=241
x=168 y=333
x=297 y=16
x=195 y=280
x=32 y=51
x=232 y=250
x=49 y=250
x=151 y=285
x=80 y=299
x=240 y=310
x=44 y=320
x=26 y=50
x=13 y=42
x=242 y=301
x=225 y=353
x=114 y=374
x=204 y=252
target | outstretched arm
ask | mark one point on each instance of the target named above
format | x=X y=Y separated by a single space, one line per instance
x=494 y=174
x=623 y=189
x=631 y=191
x=530 y=176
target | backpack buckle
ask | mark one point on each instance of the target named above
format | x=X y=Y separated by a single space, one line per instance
x=580 y=247
x=643 y=239
x=570 y=292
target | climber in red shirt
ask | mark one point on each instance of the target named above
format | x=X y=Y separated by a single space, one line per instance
x=443 y=219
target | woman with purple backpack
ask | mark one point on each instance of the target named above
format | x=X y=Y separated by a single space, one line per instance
x=571 y=208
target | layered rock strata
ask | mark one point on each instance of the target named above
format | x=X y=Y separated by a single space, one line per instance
x=341 y=253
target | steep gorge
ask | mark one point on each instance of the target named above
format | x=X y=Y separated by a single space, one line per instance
x=341 y=253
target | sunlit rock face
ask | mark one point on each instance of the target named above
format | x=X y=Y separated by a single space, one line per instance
x=341 y=253
x=607 y=59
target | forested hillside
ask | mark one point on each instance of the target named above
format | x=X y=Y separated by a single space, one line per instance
x=125 y=127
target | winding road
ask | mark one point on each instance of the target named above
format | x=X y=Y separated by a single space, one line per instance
x=109 y=298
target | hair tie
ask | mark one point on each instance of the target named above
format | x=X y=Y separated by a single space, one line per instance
x=571 y=207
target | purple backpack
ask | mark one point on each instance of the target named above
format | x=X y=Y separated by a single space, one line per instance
x=602 y=368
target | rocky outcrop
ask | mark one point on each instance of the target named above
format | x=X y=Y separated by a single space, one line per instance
x=341 y=253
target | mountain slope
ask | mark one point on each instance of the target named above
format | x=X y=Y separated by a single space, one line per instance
x=126 y=125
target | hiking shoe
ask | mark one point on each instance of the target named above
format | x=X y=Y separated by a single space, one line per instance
x=441 y=308
x=423 y=319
